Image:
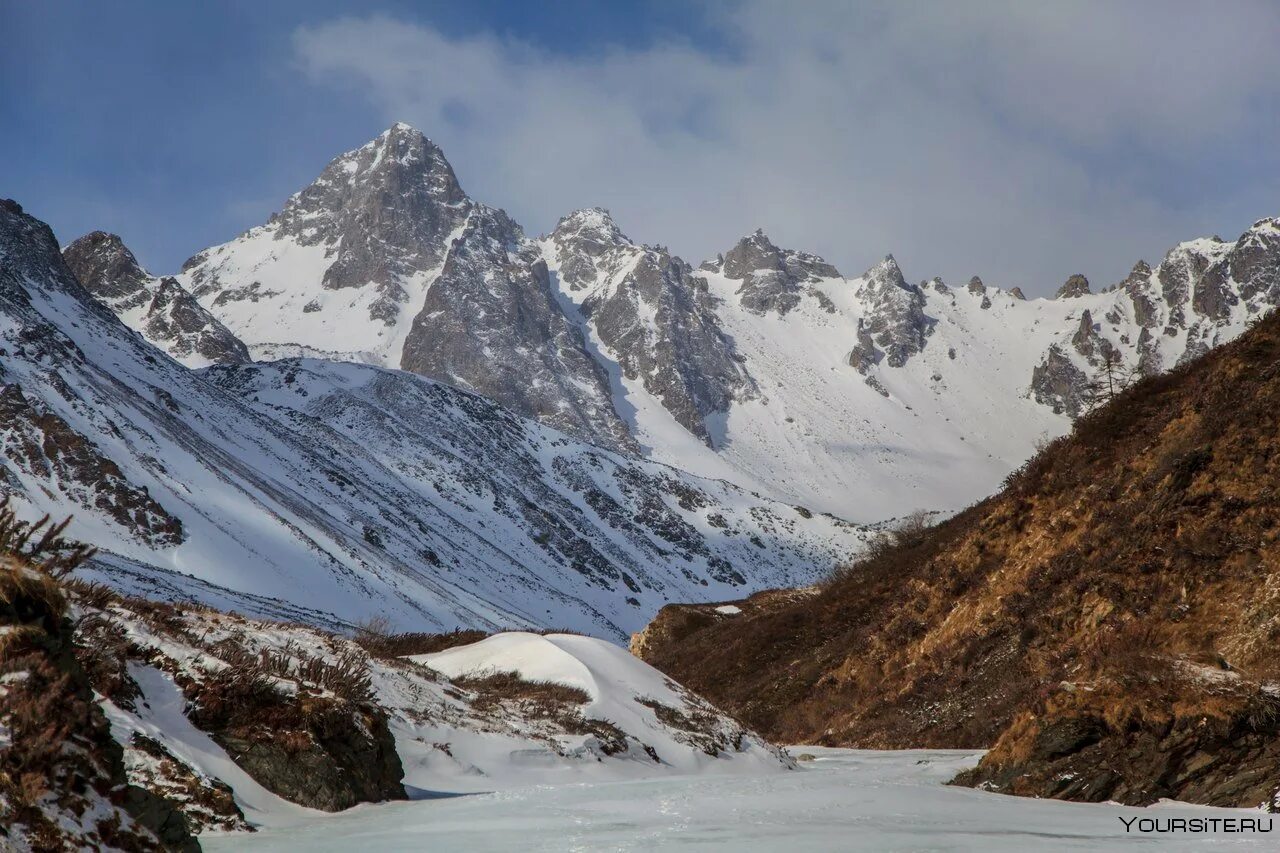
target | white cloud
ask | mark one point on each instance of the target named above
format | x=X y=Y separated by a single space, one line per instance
x=1019 y=141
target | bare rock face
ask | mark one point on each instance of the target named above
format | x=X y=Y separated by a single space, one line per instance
x=1136 y=286
x=491 y=324
x=1017 y=293
x=655 y=316
x=1227 y=761
x=1088 y=340
x=1057 y=382
x=977 y=288
x=107 y=269
x=385 y=209
x=362 y=241
x=773 y=279
x=1249 y=271
x=895 y=326
x=1076 y=285
x=160 y=308
x=683 y=358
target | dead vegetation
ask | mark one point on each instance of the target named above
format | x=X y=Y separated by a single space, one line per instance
x=61 y=777
x=376 y=637
x=559 y=705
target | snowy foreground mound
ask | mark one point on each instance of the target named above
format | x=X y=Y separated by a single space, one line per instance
x=245 y=723
x=669 y=729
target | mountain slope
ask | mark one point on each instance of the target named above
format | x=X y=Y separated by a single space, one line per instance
x=1107 y=621
x=869 y=396
x=385 y=260
x=334 y=492
x=158 y=308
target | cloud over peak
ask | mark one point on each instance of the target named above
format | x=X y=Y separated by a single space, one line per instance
x=1018 y=141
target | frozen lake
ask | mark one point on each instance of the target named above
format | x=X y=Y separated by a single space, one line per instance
x=846 y=800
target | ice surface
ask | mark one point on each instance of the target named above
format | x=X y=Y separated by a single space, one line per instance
x=845 y=800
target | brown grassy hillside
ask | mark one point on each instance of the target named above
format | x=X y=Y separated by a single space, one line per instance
x=1110 y=618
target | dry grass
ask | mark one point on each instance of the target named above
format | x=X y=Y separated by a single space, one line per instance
x=493 y=688
x=384 y=645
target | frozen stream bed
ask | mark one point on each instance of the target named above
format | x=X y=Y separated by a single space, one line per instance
x=845 y=800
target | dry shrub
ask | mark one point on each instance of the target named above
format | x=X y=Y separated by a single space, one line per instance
x=103 y=653
x=347 y=676
x=386 y=646
x=549 y=701
x=40 y=542
x=495 y=687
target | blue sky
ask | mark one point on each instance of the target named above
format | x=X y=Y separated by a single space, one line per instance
x=1022 y=142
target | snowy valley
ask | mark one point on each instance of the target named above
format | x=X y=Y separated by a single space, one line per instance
x=433 y=473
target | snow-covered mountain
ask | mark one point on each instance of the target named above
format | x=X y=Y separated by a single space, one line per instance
x=328 y=492
x=160 y=308
x=866 y=396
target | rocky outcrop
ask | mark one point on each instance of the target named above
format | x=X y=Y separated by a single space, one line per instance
x=655 y=316
x=491 y=324
x=44 y=444
x=1075 y=286
x=1226 y=757
x=332 y=758
x=773 y=279
x=1058 y=383
x=159 y=308
x=977 y=288
x=895 y=326
x=683 y=357
x=1089 y=341
x=384 y=212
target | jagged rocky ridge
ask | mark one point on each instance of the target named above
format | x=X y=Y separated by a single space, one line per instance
x=928 y=394
x=159 y=308
x=328 y=492
x=1104 y=625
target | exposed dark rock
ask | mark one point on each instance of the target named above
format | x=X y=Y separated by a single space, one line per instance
x=207 y=804
x=656 y=316
x=1228 y=761
x=1057 y=382
x=159 y=308
x=40 y=441
x=1255 y=262
x=895 y=323
x=1074 y=286
x=773 y=279
x=392 y=220
x=491 y=324
x=349 y=758
x=107 y=269
x=684 y=358
x=1089 y=342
